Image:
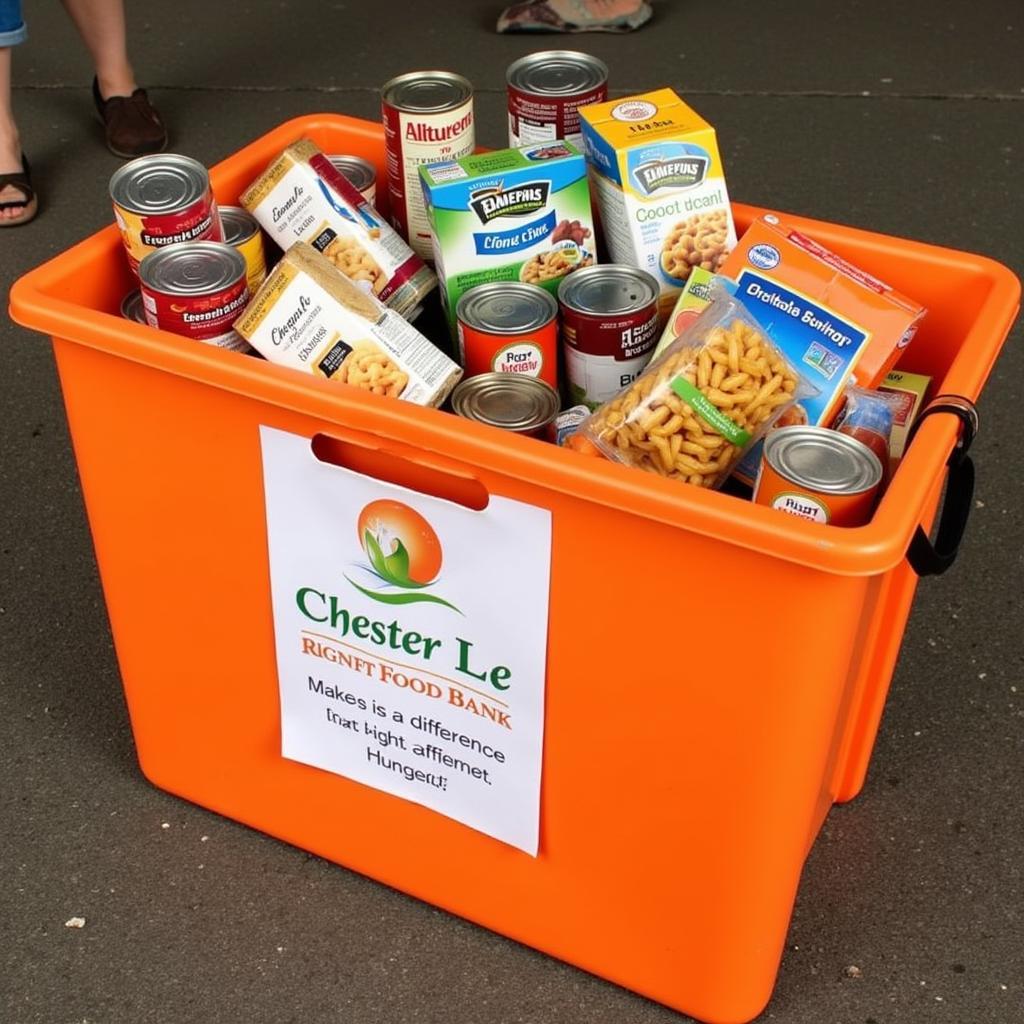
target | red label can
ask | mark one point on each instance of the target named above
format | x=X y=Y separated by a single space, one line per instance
x=546 y=91
x=818 y=474
x=428 y=118
x=509 y=327
x=197 y=290
x=609 y=329
x=162 y=200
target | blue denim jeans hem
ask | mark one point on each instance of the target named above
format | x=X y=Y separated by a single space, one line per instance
x=12 y=25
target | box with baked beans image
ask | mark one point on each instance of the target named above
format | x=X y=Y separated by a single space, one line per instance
x=301 y=196
x=660 y=187
x=508 y=215
x=312 y=318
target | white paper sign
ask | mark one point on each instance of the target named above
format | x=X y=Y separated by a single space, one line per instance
x=411 y=638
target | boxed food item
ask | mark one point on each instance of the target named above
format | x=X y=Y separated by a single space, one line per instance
x=302 y=196
x=660 y=187
x=309 y=316
x=838 y=323
x=508 y=215
x=692 y=301
x=910 y=389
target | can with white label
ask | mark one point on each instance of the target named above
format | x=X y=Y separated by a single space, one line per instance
x=609 y=328
x=361 y=173
x=428 y=118
x=546 y=91
x=509 y=327
x=818 y=474
x=197 y=290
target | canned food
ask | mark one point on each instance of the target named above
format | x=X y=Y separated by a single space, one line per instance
x=242 y=232
x=197 y=290
x=428 y=118
x=546 y=91
x=525 y=405
x=818 y=474
x=509 y=327
x=131 y=307
x=361 y=173
x=609 y=328
x=162 y=200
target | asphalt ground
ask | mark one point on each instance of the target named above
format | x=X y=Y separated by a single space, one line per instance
x=905 y=120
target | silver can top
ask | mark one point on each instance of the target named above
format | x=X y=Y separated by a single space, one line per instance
x=822 y=460
x=557 y=73
x=427 y=92
x=192 y=268
x=506 y=400
x=239 y=224
x=361 y=173
x=131 y=307
x=161 y=183
x=608 y=290
x=506 y=307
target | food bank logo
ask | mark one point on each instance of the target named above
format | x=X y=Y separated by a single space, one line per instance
x=404 y=552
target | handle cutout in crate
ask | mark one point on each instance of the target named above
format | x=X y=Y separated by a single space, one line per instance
x=417 y=471
x=411 y=629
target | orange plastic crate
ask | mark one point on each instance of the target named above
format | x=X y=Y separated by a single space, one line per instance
x=683 y=783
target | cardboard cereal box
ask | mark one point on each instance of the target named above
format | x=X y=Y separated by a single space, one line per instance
x=832 y=320
x=691 y=302
x=660 y=187
x=508 y=215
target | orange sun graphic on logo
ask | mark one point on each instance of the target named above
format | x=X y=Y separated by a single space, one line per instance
x=396 y=528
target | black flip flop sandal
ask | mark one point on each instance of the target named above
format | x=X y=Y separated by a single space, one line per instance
x=22 y=181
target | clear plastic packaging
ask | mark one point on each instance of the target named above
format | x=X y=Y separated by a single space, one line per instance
x=699 y=406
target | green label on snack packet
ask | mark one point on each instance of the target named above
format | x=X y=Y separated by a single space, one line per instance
x=709 y=413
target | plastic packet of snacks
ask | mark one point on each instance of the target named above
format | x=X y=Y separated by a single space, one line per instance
x=694 y=411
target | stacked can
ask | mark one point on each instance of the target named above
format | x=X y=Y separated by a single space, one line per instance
x=546 y=91
x=428 y=118
x=509 y=327
x=197 y=290
x=242 y=232
x=162 y=200
x=609 y=329
x=361 y=173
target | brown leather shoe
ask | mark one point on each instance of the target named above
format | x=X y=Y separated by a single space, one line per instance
x=132 y=126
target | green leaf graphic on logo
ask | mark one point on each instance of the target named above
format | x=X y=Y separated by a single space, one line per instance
x=397 y=565
x=375 y=554
x=403 y=598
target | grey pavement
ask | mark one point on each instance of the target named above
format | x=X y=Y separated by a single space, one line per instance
x=906 y=119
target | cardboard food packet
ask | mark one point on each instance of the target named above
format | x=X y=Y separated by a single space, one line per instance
x=311 y=317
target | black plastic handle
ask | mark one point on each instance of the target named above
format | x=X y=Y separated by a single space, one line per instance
x=931 y=558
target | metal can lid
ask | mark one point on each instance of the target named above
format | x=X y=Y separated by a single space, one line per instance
x=192 y=268
x=239 y=224
x=557 y=73
x=131 y=307
x=160 y=183
x=822 y=460
x=506 y=400
x=427 y=92
x=506 y=307
x=608 y=289
x=361 y=173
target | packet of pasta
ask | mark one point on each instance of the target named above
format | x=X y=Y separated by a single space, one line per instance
x=699 y=406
